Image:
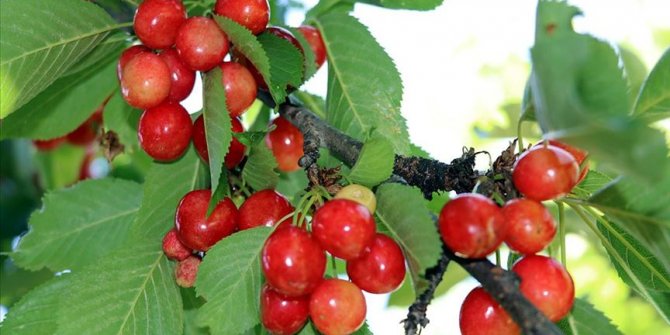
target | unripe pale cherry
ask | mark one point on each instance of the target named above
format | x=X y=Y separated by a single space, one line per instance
x=546 y=284
x=359 y=194
x=173 y=248
x=482 y=315
x=293 y=263
x=182 y=77
x=164 y=132
x=344 y=228
x=235 y=150
x=337 y=307
x=127 y=55
x=240 y=87
x=145 y=81
x=186 y=271
x=381 y=267
x=529 y=227
x=201 y=43
x=286 y=142
x=282 y=315
x=471 y=225
x=252 y=14
x=313 y=36
x=544 y=173
x=199 y=232
x=157 y=21
x=263 y=208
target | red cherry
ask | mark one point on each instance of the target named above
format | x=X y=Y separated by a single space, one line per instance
x=145 y=81
x=313 y=36
x=544 y=173
x=199 y=232
x=201 y=43
x=263 y=208
x=85 y=167
x=182 y=77
x=481 y=315
x=381 y=267
x=173 y=248
x=127 y=55
x=48 y=145
x=87 y=132
x=164 y=132
x=344 y=228
x=157 y=21
x=258 y=77
x=337 y=307
x=235 y=150
x=252 y=14
x=286 y=143
x=471 y=225
x=529 y=227
x=285 y=34
x=293 y=263
x=282 y=315
x=187 y=271
x=546 y=284
x=579 y=155
x=240 y=87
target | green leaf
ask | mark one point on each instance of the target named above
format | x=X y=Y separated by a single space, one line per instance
x=402 y=210
x=286 y=65
x=122 y=119
x=632 y=258
x=229 y=278
x=36 y=313
x=592 y=183
x=164 y=186
x=217 y=124
x=79 y=225
x=636 y=72
x=309 y=62
x=41 y=39
x=259 y=171
x=584 y=319
x=364 y=86
x=406 y=4
x=374 y=164
x=63 y=106
x=653 y=103
x=110 y=48
x=132 y=291
x=313 y=102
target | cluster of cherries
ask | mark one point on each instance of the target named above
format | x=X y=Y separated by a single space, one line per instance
x=293 y=259
x=158 y=74
x=473 y=226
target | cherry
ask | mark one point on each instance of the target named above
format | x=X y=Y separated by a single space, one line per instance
x=481 y=315
x=381 y=267
x=313 y=36
x=544 y=173
x=258 y=77
x=87 y=132
x=173 y=248
x=235 y=150
x=252 y=14
x=182 y=77
x=546 y=284
x=285 y=34
x=359 y=194
x=293 y=263
x=145 y=81
x=156 y=22
x=187 y=271
x=201 y=43
x=127 y=55
x=164 y=132
x=579 y=155
x=50 y=144
x=199 y=232
x=263 y=208
x=471 y=225
x=282 y=315
x=337 y=307
x=529 y=227
x=286 y=143
x=240 y=87
x=344 y=228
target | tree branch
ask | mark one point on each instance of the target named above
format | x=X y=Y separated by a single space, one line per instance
x=430 y=176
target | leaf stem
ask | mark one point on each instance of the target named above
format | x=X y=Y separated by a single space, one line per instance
x=561 y=231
